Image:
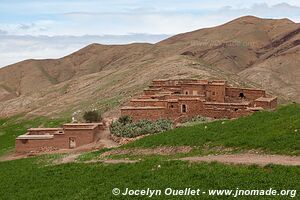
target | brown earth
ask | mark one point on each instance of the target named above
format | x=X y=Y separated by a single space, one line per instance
x=247 y=159
x=248 y=51
x=236 y=159
x=148 y=151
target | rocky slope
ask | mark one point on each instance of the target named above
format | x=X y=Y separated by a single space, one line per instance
x=248 y=51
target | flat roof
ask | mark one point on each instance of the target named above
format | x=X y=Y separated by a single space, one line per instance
x=189 y=98
x=171 y=100
x=83 y=124
x=189 y=95
x=240 y=88
x=34 y=137
x=267 y=99
x=255 y=108
x=143 y=100
x=231 y=104
x=204 y=83
x=44 y=129
x=80 y=126
x=142 y=108
x=152 y=89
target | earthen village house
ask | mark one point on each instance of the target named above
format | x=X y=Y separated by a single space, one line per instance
x=179 y=99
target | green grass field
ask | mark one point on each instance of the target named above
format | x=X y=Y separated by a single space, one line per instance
x=38 y=178
x=12 y=127
x=29 y=179
x=273 y=132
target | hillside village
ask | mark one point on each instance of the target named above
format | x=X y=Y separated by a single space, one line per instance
x=187 y=98
x=175 y=100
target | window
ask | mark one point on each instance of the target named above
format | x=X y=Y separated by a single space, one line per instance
x=241 y=95
x=183 y=108
x=24 y=141
x=171 y=106
x=186 y=92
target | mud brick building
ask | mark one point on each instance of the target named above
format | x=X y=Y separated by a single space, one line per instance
x=68 y=137
x=186 y=98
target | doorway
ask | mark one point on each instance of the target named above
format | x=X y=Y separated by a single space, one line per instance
x=183 y=108
x=72 y=143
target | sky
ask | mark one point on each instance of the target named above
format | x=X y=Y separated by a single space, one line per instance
x=37 y=29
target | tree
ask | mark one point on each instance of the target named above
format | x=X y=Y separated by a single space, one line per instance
x=92 y=116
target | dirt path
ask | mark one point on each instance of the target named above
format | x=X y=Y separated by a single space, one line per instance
x=148 y=151
x=248 y=159
x=118 y=161
x=67 y=159
x=105 y=140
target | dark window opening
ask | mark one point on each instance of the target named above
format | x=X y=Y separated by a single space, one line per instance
x=186 y=92
x=242 y=95
x=171 y=106
x=176 y=92
x=24 y=141
x=184 y=108
x=236 y=109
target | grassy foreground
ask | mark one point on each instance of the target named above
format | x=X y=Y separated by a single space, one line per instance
x=37 y=178
x=273 y=132
x=12 y=127
x=29 y=179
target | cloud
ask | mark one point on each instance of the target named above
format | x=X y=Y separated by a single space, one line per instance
x=174 y=20
x=2 y=32
x=15 y=48
x=282 y=10
x=121 y=17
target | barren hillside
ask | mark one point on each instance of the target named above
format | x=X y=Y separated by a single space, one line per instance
x=248 y=51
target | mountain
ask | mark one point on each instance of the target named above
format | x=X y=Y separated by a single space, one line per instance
x=247 y=51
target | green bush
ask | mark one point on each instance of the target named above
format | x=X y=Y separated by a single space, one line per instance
x=92 y=116
x=125 y=119
x=197 y=118
x=142 y=127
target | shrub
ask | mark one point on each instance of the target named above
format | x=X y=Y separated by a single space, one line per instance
x=125 y=119
x=142 y=127
x=164 y=125
x=92 y=116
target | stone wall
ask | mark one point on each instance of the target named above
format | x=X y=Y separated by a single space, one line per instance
x=266 y=104
x=193 y=89
x=57 y=142
x=231 y=106
x=249 y=94
x=219 y=113
x=147 y=102
x=43 y=131
x=144 y=113
x=194 y=107
x=215 y=93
